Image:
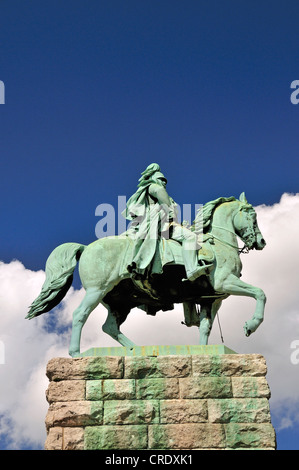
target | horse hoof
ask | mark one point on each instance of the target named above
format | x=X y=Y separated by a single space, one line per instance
x=74 y=354
x=247 y=331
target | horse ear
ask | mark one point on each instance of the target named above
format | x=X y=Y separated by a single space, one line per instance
x=242 y=198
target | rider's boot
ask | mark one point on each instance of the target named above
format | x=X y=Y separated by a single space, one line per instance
x=194 y=267
x=202 y=269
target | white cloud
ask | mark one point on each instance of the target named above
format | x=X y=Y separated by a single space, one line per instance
x=30 y=344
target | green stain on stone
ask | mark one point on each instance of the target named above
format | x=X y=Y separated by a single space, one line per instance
x=159 y=437
x=215 y=366
x=96 y=412
x=104 y=367
x=154 y=388
x=242 y=436
x=132 y=437
x=242 y=410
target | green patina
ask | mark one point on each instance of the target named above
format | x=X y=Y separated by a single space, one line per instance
x=216 y=365
x=94 y=390
x=213 y=387
x=96 y=413
x=132 y=437
x=158 y=262
x=160 y=438
x=248 y=436
x=100 y=367
x=242 y=410
x=151 y=410
x=159 y=350
x=148 y=367
x=156 y=388
x=250 y=387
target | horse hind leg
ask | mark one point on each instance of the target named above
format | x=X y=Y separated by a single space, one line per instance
x=207 y=315
x=111 y=327
x=89 y=303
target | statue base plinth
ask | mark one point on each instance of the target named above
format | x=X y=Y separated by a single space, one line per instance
x=159 y=350
x=188 y=400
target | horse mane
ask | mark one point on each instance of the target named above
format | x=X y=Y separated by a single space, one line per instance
x=205 y=213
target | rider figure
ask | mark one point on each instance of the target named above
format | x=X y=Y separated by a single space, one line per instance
x=153 y=214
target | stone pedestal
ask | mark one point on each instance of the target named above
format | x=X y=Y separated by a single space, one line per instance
x=199 y=400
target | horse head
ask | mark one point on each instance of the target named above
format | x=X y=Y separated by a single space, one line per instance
x=246 y=227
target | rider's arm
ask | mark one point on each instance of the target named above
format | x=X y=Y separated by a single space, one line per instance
x=160 y=194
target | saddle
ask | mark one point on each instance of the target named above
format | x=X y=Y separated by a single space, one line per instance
x=170 y=253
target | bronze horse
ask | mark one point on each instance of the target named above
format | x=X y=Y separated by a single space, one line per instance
x=102 y=276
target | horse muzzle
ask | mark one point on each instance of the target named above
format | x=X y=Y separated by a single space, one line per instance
x=259 y=243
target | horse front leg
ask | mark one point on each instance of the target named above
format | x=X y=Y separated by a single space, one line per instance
x=234 y=286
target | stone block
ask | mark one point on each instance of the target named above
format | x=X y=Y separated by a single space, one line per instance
x=132 y=437
x=157 y=388
x=54 y=439
x=205 y=387
x=66 y=390
x=110 y=367
x=85 y=368
x=155 y=367
x=131 y=412
x=73 y=438
x=110 y=389
x=250 y=387
x=74 y=413
x=186 y=436
x=183 y=411
x=250 y=436
x=239 y=410
x=229 y=365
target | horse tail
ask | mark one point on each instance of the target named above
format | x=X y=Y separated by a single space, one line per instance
x=59 y=277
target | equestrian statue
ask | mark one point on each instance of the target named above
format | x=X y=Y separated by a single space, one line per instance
x=158 y=262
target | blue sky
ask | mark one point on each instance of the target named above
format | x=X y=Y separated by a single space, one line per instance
x=95 y=91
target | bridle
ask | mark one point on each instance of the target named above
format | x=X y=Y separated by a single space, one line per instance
x=246 y=233
x=245 y=248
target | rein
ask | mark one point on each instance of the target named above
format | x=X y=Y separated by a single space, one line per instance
x=245 y=248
